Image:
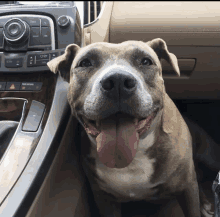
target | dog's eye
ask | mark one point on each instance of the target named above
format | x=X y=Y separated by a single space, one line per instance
x=146 y=61
x=85 y=63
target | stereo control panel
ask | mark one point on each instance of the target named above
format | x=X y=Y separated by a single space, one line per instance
x=30 y=61
x=27 y=43
x=26 y=32
x=32 y=36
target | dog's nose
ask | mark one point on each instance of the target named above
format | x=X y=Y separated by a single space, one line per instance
x=118 y=83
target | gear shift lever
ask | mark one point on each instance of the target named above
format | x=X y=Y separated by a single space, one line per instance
x=10 y=114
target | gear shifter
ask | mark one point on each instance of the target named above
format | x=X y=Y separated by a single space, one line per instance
x=7 y=130
x=10 y=115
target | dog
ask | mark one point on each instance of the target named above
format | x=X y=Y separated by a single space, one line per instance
x=140 y=146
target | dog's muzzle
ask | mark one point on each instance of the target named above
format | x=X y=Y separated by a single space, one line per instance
x=117 y=133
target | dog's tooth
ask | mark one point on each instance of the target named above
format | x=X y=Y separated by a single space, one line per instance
x=136 y=121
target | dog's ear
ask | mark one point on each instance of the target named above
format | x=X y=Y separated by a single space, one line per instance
x=63 y=63
x=160 y=48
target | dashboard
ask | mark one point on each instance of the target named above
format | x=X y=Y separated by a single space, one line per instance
x=34 y=112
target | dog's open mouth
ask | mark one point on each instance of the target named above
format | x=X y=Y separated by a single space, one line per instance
x=117 y=137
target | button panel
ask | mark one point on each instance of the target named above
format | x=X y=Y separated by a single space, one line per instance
x=20 y=86
x=13 y=63
x=45 y=22
x=53 y=55
x=36 y=61
x=2 y=85
x=13 y=86
x=33 y=86
x=42 y=56
x=32 y=21
x=35 y=36
x=45 y=35
x=40 y=27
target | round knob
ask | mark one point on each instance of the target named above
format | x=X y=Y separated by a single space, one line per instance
x=16 y=30
x=63 y=21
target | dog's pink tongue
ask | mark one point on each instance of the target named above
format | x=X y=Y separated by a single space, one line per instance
x=117 y=142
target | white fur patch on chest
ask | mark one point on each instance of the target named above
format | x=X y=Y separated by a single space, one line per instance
x=133 y=181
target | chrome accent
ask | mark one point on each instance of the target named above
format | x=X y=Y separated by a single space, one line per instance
x=17 y=155
x=58 y=109
x=11 y=25
x=16 y=39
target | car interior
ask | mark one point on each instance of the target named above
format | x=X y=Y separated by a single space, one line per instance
x=40 y=171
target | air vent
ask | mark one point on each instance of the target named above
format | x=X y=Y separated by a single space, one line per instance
x=92 y=10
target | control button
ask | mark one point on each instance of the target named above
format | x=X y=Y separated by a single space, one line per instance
x=14 y=29
x=34 y=117
x=45 y=22
x=1 y=37
x=53 y=55
x=30 y=60
x=42 y=56
x=32 y=21
x=13 y=85
x=14 y=63
x=48 y=48
x=45 y=35
x=37 y=86
x=35 y=36
x=33 y=86
x=63 y=21
x=41 y=62
x=2 y=85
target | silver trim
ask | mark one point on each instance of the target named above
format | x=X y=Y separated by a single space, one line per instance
x=4 y=185
x=19 y=152
x=16 y=39
x=58 y=109
x=99 y=17
x=52 y=35
x=11 y=25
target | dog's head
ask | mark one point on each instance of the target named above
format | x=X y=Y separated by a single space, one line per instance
x=115 y=91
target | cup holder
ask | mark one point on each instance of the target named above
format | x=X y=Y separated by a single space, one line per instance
x=11 y=112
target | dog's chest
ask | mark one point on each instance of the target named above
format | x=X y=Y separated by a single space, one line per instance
x=132 y=182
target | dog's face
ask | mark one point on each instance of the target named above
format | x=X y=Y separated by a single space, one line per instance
x=115 y=89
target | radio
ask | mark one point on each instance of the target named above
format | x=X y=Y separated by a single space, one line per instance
x=26 y=32
x=27 y=41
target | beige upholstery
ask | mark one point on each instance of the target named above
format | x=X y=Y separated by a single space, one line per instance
x=63 y=192
x=190 y=29
x=172 y=21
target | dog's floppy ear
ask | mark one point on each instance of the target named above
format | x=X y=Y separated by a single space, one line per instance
x=160 y=48
x=63 y=63
x=170 y=112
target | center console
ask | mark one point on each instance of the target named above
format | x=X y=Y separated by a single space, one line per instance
x=33 y=105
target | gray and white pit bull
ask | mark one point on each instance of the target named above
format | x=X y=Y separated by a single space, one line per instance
x=140 y=146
